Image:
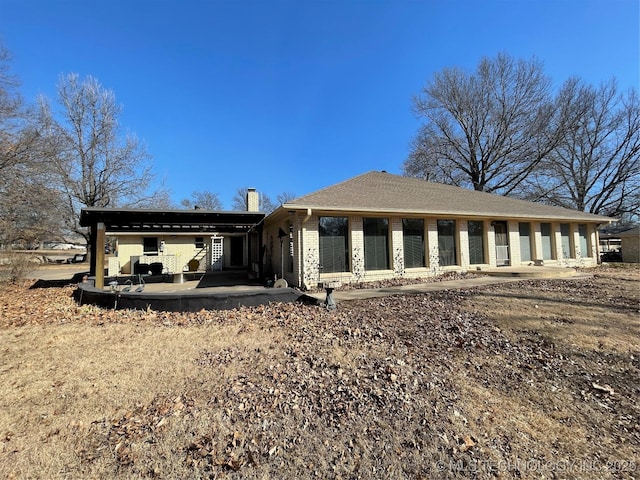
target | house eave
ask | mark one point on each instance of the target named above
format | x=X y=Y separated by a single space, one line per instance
x=589 y=218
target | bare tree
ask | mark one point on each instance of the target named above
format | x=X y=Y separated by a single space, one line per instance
x=12 y=115
x=29 y=205
x=161 y=199
x=96 y=164
x=596 y=166
x=285 y=197
x=266 y=204
x=204 y=199
x=29 y=213
x=485 y=130
x=239 y=201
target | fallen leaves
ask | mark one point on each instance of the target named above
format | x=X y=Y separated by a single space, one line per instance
x=378 y=388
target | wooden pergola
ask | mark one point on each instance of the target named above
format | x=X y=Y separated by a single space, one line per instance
x=103 y=221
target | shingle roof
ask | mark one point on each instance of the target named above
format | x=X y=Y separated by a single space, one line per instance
x=632 y=232
x=387 y=193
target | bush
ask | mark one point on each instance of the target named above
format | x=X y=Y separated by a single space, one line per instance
x=15 y=266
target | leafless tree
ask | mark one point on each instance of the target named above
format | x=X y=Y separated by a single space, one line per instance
x=285 y=197
x=12 y=114
x=204 y=199
x=96 y=164
x=29 y=213
x=29 y=204
x=596 y=166
x=240 y=201
x=19 y=139
x=485 y=130
x=266 y=204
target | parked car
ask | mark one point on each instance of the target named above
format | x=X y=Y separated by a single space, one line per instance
x=78 y=258
x=612 y=256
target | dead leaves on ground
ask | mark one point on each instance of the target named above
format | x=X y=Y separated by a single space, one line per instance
x=366 y=391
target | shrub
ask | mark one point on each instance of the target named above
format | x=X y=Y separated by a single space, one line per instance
x=15 y=266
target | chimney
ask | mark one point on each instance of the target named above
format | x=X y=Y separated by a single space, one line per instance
x=253 y=200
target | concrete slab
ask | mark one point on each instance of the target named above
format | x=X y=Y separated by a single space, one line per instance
x=193 y=295
x=532 y=271
x=420 y=288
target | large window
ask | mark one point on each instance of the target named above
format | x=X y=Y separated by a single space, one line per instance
x=547 y=241
x=565 y=240
x=376 y=243
x=476 y=242
x=413 y=242
x=150 y=245
x=334 y=244
x=447 y=242
x=584 y=240
x=525 y=242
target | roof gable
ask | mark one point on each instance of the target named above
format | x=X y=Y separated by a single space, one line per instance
x=387 y=193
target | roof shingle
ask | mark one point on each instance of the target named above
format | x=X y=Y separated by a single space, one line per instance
x=387 y=193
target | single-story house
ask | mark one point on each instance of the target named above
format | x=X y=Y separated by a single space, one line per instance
x=371 y=227
x=380 y=226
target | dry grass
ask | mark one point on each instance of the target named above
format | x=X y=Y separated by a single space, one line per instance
x=492 y=382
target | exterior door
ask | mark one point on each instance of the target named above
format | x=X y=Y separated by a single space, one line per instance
x=237 y=251
x=502 y=243
x=217 y=253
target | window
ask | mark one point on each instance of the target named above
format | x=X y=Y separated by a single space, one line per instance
x=547 y=241
x=525 y=241
x=565 y=240
x=447 y=242
x=476 y=242
x=334 y=244
x=413 y=242
x=376 y=243
x=150 y=245
x=199 y=242
x=584 y=240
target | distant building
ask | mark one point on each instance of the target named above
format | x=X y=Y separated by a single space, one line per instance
x=630 y=245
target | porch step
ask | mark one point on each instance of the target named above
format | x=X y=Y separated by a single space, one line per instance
x=226 y=278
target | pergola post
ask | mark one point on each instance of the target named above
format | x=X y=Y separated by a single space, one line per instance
x=99 y=254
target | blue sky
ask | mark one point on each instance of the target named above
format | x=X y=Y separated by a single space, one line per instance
x=296 y=95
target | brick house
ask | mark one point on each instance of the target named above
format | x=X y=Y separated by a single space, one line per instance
x=382 y=226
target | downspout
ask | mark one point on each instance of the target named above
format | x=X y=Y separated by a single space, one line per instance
x=307 y=216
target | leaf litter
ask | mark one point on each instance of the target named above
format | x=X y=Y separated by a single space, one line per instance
x=414 y=386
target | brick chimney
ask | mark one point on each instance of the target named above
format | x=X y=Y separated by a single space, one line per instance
x=253 y=200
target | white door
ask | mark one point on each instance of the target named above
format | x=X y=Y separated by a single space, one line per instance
x=217 y=253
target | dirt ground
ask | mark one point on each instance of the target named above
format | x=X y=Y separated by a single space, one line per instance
x=533 y=379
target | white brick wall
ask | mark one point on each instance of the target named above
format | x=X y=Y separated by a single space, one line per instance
x=463 y=243
x=491 y=245
x=397 y=247
x=514 y=242
x=433 y=258
x=306 y=250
